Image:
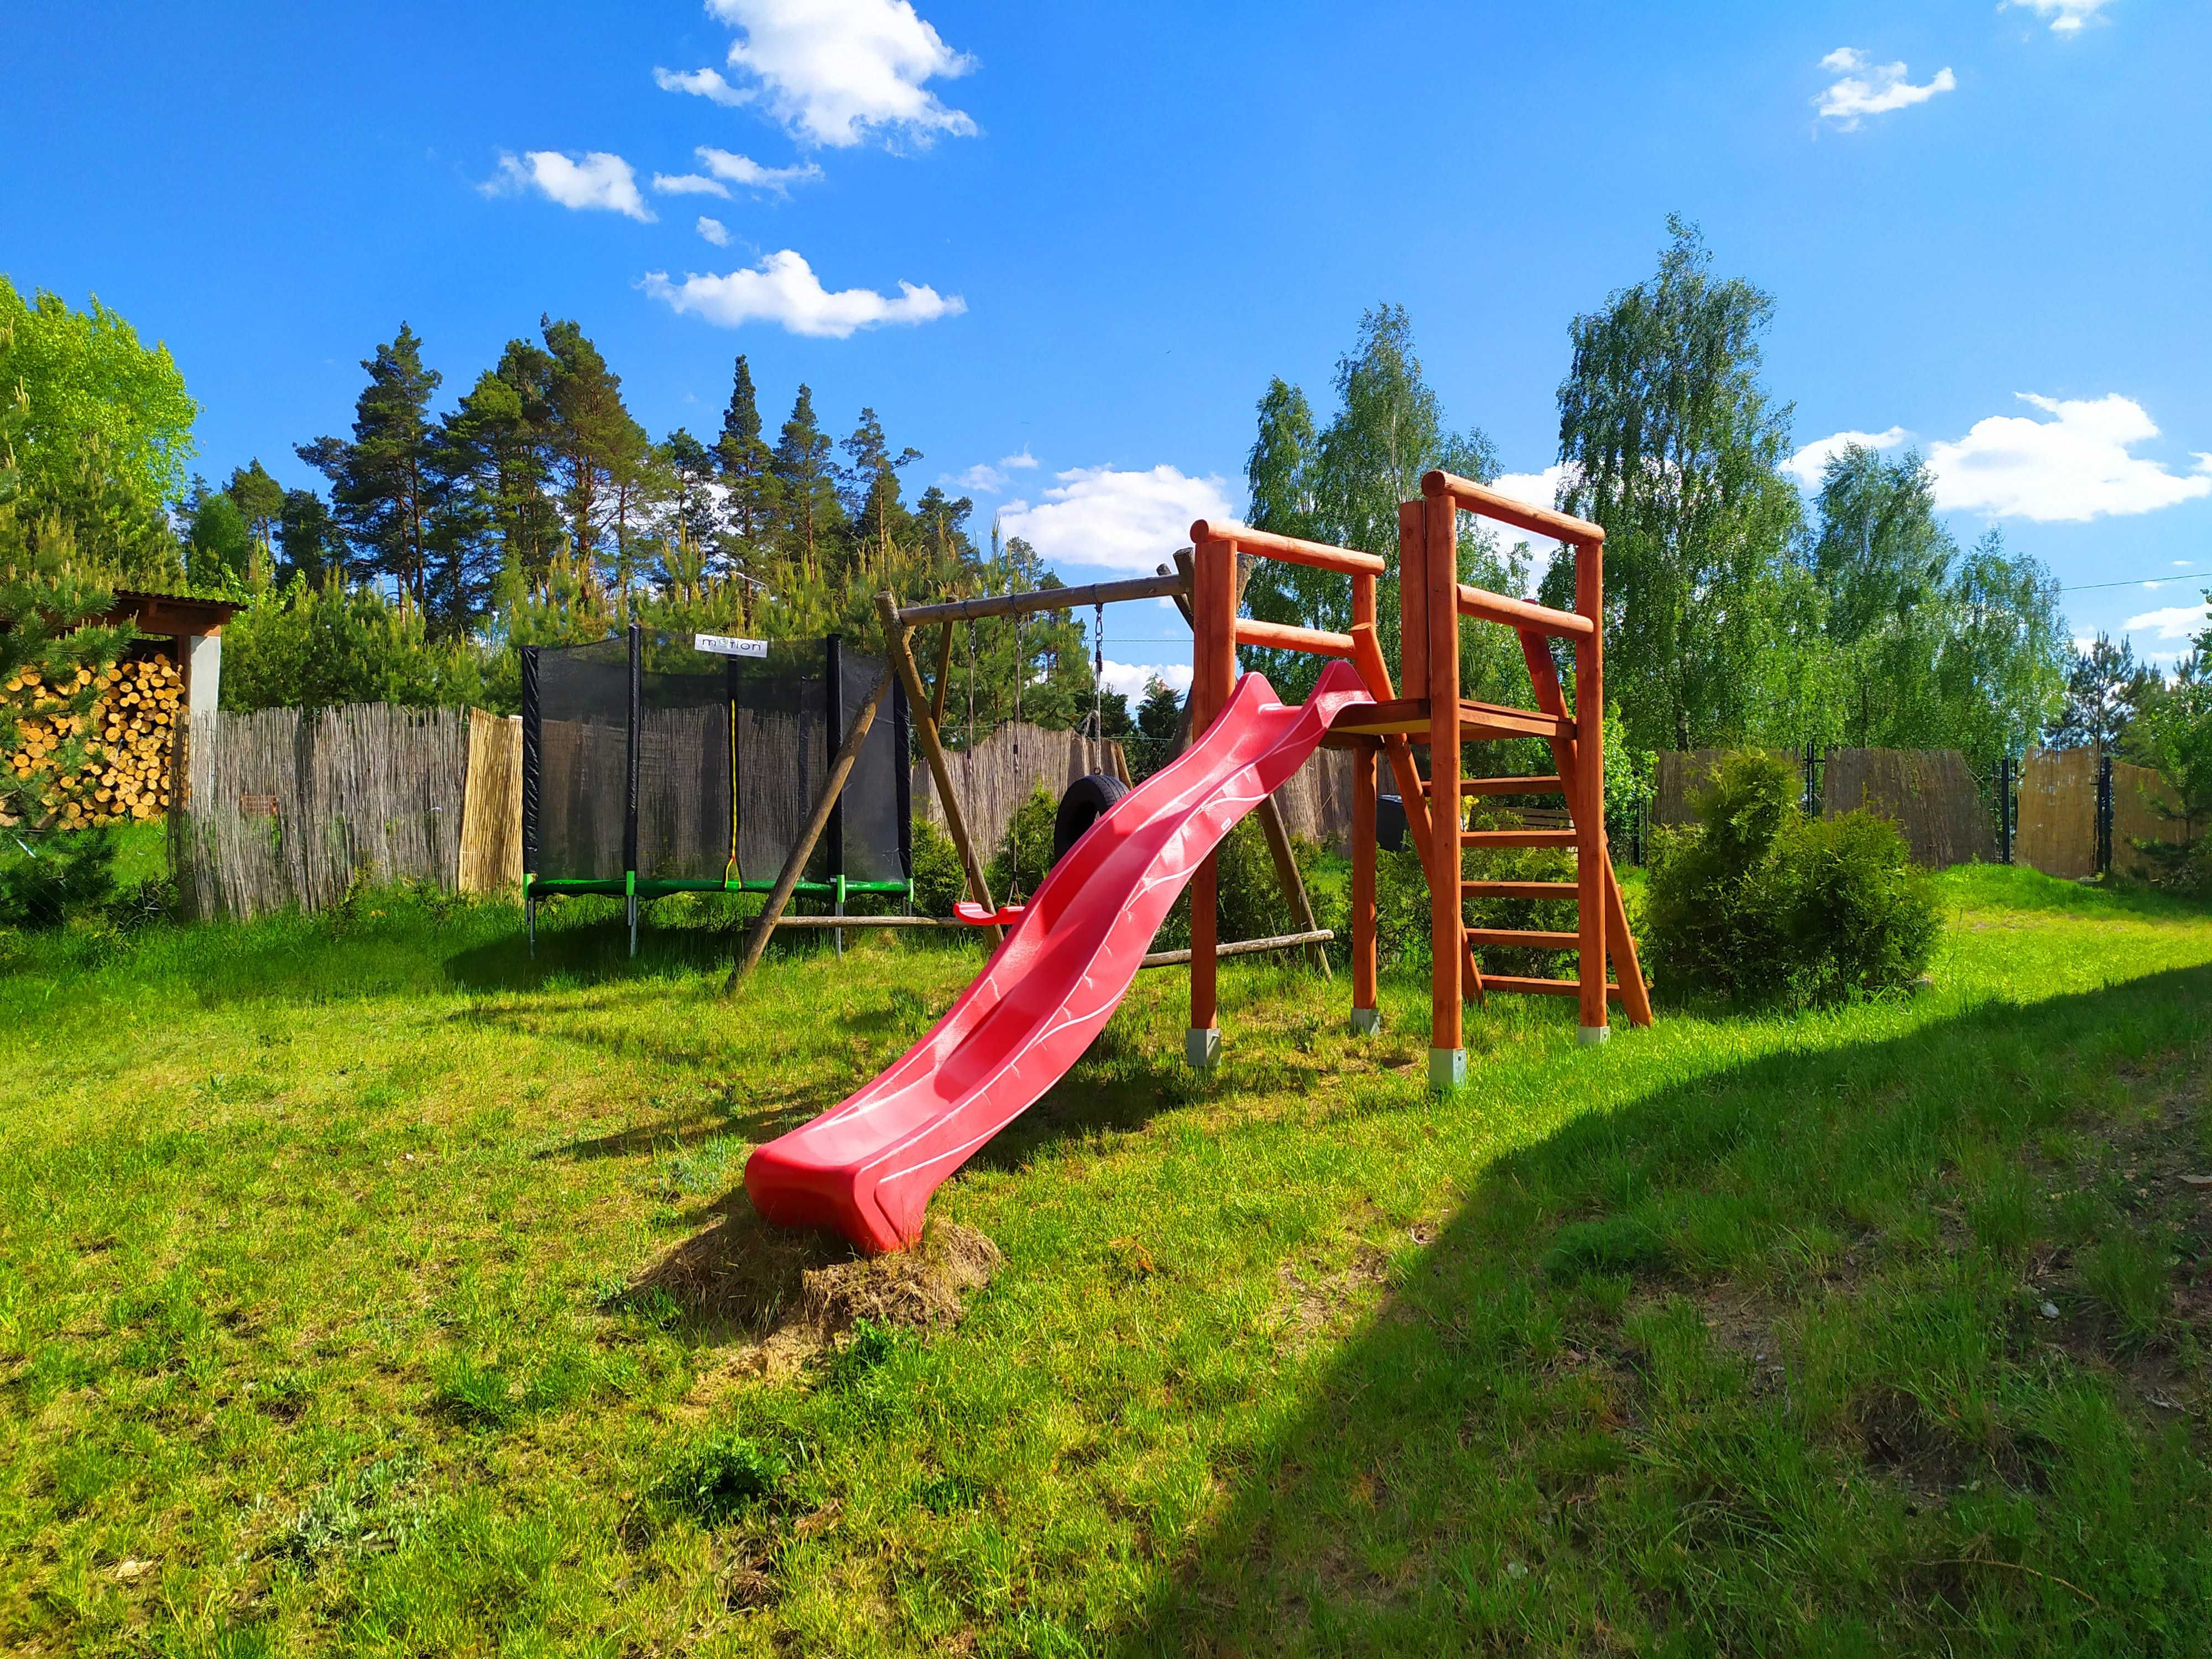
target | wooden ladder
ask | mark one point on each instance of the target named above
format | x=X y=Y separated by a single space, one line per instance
x=1627 y=987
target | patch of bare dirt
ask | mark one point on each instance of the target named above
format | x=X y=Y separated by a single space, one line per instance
x=778 y=1297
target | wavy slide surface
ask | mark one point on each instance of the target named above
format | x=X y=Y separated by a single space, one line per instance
x=868 y=1166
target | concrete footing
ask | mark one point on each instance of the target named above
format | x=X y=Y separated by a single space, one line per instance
x=1447 y=1070
x=1201 y=1048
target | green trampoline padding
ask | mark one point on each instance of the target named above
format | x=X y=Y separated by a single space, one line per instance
x=654 y=889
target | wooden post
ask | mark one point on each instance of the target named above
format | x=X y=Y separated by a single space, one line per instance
x=943 y=676
x=1213 y=605
x=1367 y=1017
x=1446 y=915
x=1367 y=656
x=1592 y=859
x=1269 y=811
x=940 y=769
x=795 y=864
x=1620 y=943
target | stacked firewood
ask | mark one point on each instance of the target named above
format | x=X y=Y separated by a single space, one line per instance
x=129 y=734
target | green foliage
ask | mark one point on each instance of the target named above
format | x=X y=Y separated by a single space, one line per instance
x=1762 y=903
x=1402 y=902
x=305 y=647
x=722 y=1477
x=1250 y=902
x=1342 y=484
x=2172 y=731
x=88 y=382
x=1023 y=854
x=47 y=879
x=1676 y=448
x=939 y=880
x=219 y=547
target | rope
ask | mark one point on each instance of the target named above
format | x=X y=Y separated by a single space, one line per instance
x=1021 y=673
x=1098 y=677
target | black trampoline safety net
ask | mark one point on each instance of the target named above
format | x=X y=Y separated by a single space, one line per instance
x=648 y=760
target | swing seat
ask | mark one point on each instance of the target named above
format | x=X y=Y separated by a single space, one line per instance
x=977 y=916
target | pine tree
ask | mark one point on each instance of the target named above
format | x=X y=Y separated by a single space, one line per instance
x=744 y=461
x=260 y=499
x=590 y=433
x=807 y=492
x=2103 y=685
x=872 y=492
x=383 y=482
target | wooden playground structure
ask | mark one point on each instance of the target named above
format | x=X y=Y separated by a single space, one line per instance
x=1432 y=604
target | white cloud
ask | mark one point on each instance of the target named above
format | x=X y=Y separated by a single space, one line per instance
x=1864 y=89
x=596 y=180
x=2183 y=622
x=742 y=170
x=784 y=289
x=688 y=184
x=986 y=479
x=2071 y=468
x=703 y=84
x=715 y=231
x=2065 y=16
x=983 y=477
x=1129 y=521
x=835 y=71
x=1809 y=462
x=1130 y=678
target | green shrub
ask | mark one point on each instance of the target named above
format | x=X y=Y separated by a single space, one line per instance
x=1028 y=834
x=1762 y=903
x=46 y=880
x=1401 y=904
x=940 y=883
x=722 y=1477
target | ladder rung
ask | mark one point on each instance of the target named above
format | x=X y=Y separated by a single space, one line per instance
x=1551 y=785
x=1517 y=838
x=1528 y=889
x=1514 y=985
x=1527 y=938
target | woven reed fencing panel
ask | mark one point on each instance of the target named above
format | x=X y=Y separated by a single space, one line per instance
x=289 y=808
x=491 y=805
x=1929 y=793
x=1681 y=773
x=2058 y=830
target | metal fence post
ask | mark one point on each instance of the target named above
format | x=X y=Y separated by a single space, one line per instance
x=2104 y=815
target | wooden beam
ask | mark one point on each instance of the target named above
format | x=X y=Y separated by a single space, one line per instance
x=1439 y=567
x=1283 y=636
x=1520 y=613
x=1517 y=985
x=1314 y=937
x=872 y=921
x=1363 y=874
x=795 y=864
x=1043 y=598
x=1536 y=520
x=1526 y=939
x=1522 y=890
x=943 y=676
x=1517 y=837
x=940 y=769
x=1290 y=550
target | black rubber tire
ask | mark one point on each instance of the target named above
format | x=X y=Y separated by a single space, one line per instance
x=1085 y=801
x=1390 y=823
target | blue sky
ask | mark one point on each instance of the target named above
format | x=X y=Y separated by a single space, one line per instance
x=1118 y=221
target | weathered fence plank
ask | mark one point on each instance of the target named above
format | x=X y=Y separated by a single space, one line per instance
x=491 y=805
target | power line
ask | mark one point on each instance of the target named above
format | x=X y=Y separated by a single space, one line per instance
x=2139 y=581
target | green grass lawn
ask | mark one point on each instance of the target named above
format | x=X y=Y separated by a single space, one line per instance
x=367 y=1287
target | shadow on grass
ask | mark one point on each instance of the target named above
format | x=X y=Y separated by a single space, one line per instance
x=1732 y=1369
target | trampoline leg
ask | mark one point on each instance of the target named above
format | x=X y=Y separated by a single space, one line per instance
x=530 y=923
x=633 y=924
x=838 y=933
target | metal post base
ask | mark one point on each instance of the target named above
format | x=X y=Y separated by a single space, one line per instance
x=530 y=923
x=1366 y=1022
x=1590 y=1035
x=1447 y=1070
x=1201 y=1048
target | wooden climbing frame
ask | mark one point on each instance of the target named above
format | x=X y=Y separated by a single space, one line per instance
x=1432 y=604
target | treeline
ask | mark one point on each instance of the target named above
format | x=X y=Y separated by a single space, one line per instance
x=537 y=510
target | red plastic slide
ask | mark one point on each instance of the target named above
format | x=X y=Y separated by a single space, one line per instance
x=867 y=1166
